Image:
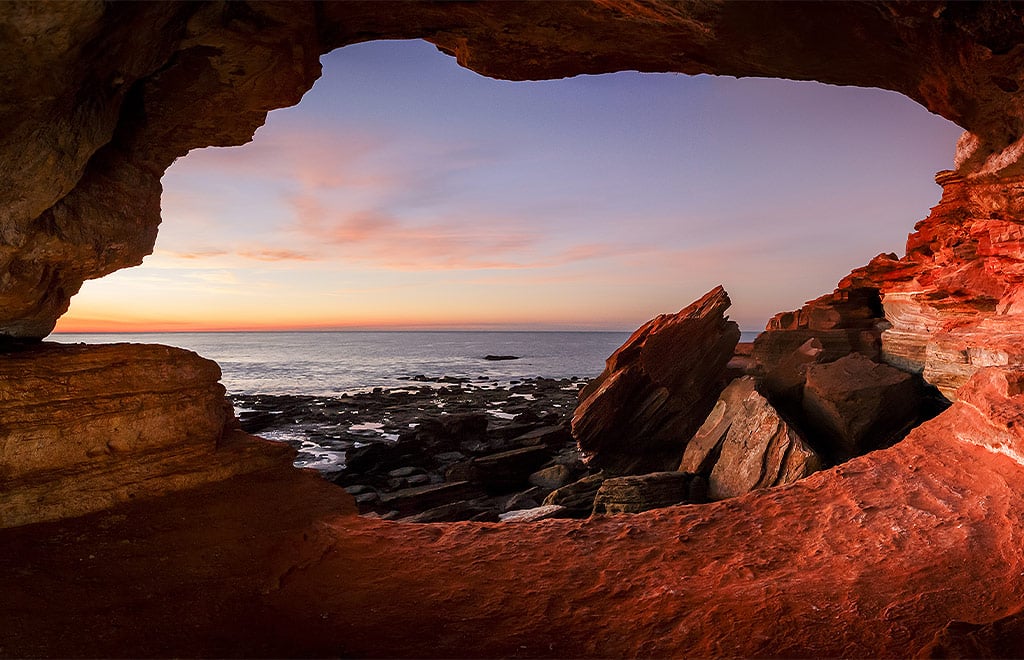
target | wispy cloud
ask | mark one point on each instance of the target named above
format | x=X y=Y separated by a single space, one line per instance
x=277 y=255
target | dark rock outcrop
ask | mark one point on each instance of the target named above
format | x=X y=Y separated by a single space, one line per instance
x=656 y=389
x=644 y=492
x=744 y=445
x=846 y=321
x=855 y=405
x=577 y=497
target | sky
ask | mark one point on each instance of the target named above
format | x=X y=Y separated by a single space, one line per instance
x=404 y=192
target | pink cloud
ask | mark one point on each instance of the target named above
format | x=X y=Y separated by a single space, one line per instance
x=276 y=255
x=386 y=242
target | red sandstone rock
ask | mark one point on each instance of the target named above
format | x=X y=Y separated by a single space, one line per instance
x=744 y=445
x=656 y=389
x=846 y=321
x=855 y=405
x=954 y=301
x=87 y=427
x=784 y=385
x=878 y=557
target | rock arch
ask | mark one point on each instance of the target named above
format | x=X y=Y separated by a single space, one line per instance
x=101 y=98
x=887 y=554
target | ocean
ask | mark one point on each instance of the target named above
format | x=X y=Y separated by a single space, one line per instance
x=334 y=363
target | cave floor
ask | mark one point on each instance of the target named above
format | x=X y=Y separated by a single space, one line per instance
x=873 y=558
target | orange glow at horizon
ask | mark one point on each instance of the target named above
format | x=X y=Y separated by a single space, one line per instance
x=471 y=203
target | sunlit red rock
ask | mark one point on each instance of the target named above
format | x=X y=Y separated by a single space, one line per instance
x=911 y=549
x=875 y=558
x=656 y=389
x=954 y=301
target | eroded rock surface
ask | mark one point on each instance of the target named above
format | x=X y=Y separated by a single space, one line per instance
x=656 y=389
x=745 y=445
x=878 y=557
x=83 y=428
x=904 y=545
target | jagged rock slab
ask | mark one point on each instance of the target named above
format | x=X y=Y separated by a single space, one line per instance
x=644 y=492
x=423 y=498
x=656 y=389
x=506 y=471
x=744 y=445
x=83 y=428
x=856 y=405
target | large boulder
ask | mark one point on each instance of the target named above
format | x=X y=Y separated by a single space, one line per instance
x=855 y=405
x=656 y=389
x=744 y=445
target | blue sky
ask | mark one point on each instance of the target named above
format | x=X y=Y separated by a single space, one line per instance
x=407 y=192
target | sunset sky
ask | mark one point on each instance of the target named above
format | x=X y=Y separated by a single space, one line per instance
x=406 y=192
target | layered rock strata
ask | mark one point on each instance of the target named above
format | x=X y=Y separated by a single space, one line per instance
x=885 y=556
x=656 y=389
x=745 y=445
x=87 y=427
x=644 y=492
x=954 y=302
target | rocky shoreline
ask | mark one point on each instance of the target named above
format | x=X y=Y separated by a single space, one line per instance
x=681 y=414
x=442 y=449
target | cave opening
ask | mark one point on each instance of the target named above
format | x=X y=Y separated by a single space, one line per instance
x=403 y=183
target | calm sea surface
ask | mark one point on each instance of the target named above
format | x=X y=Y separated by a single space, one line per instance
x=328 y=363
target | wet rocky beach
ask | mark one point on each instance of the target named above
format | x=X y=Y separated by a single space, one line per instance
x=441 y=449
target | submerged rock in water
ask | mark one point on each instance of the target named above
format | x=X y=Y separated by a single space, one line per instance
x=657 y=389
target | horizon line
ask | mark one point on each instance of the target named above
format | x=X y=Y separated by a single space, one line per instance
x=320 y=330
